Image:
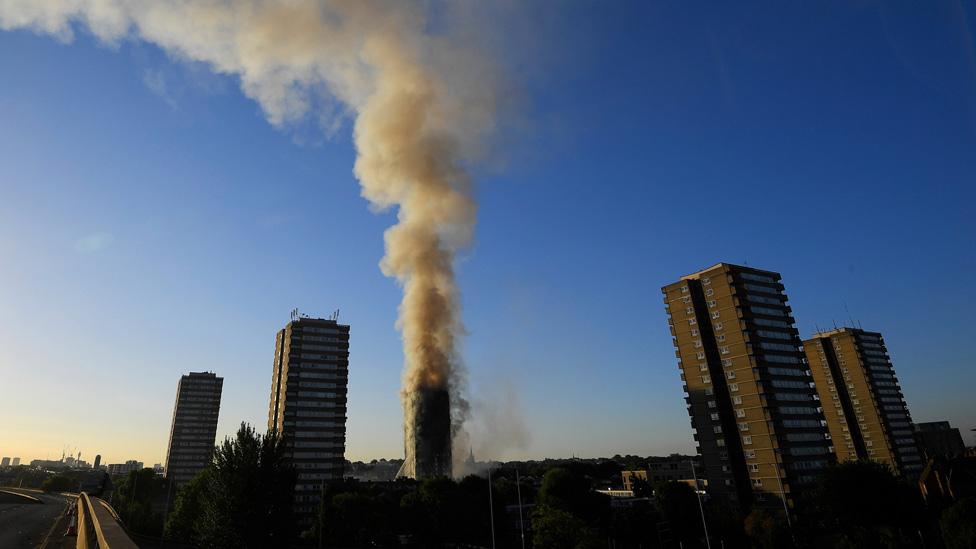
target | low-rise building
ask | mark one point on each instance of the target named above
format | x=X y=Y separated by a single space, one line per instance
x=939 y=439
x=124 y=468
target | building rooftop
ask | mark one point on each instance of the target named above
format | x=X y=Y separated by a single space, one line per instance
x=728 y=267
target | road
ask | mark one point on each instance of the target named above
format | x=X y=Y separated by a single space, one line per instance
x=25 y=523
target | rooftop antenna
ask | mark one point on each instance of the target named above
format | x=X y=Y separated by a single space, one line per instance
x=335 y=315
x=849 y=317
x=294 y=313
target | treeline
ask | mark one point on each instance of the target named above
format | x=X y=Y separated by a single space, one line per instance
x=244 y=498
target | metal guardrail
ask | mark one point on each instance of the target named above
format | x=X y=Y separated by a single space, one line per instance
x=99 y=527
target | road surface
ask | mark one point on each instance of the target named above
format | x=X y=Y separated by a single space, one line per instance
x=25 y=523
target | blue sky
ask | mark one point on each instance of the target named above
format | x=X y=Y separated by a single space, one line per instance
x=153 y=223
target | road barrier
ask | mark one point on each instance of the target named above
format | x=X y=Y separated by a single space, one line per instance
x=99 y=527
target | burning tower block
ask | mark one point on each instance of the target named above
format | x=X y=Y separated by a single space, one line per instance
x=428 y=451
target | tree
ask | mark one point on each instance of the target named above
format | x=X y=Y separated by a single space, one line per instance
x=767 y=529
x=181 y=523
x=58 y=483
x=133 y=499
x=959 y=524
x=554 y=528
x=248 y=500
x=641 y=487
x=863 y=504
x=679 y=505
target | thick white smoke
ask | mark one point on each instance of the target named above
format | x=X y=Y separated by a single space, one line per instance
x=422 y=101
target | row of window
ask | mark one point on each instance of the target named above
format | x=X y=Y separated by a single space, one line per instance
x=316 y=356
x=316 y=385
x=317 y=394
x=317 y=444
x=306 y=347
x=796 y=372
x=314 y=330
x=778 y=346
x=798 y=410
x=312 y=366
x=771 y=323
x=766 y=300
x=757 y=278
x=775 y=335
x=766 y=289
x=317 y=375
x=767 y=311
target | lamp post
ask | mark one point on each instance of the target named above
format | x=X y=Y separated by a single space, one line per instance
x=701 y=507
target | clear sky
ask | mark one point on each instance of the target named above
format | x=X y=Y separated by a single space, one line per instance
x=153 y=223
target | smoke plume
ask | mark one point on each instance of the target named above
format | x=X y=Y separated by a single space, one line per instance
x=423 y=103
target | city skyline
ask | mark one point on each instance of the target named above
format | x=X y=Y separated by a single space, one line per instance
x=169 y=206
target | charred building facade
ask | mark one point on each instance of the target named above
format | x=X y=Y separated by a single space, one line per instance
x=432 y=434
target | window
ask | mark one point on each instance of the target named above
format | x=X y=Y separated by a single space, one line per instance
x=736 y=400
x=739 y=412
x=703 y=367
x=711 y=304
x=718 y=326
x=757 y=482
x=868 y=443
x=720 y=442
x=715 y=314
x=727 y=362
x=711 y=403
x=730 y=375
x=721 y=338
x=689 y=311
x=709 y=292
x=717 y=429
x=714 y=417
x=753 y=467
x=706 y=379
x=692 y=322
x=698 y=344
x=725 y=350
x=694 y=331
x=733 y=387
x=684 y=289
x=750 y=454
x=743 y=426
x=700 y=355
x=706 y=281
x=709 y=391
x=747 y=439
